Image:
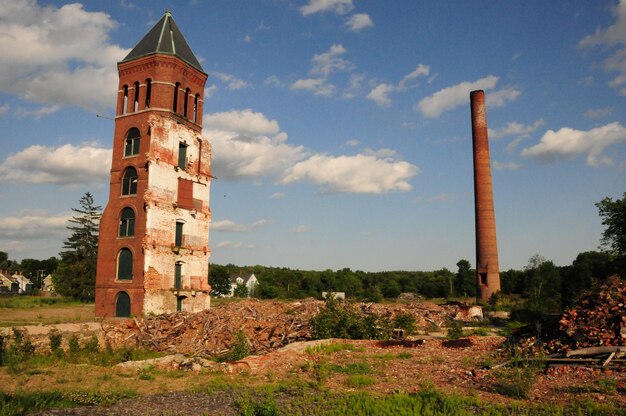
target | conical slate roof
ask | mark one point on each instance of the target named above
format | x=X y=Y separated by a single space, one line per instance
x=165 y=38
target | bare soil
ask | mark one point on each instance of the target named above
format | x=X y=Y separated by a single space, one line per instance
x=52 y=314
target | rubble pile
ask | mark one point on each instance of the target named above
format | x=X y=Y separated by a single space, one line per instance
x=267 y=326
x=597 y=320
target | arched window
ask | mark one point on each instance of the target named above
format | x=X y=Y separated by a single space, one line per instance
x=125 y=102
x=148 y=92
x=195 y=108
x=136 y=100
x=186 y=103
x=129 y=182
x=122 y=305
x=175 y=102
x=178 y=275
x=131 y=147
x=127 y=223
x=125 y=264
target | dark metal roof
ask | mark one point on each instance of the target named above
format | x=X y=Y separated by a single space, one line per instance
x=165 y=38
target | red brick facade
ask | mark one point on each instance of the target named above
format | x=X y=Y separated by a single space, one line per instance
x=487 y=269
x=162 y=96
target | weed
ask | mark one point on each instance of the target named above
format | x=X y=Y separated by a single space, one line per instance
x=405 y=321
x=358 y=381
x=55 y=344
x=239 y=349
x=405 y=355
x=480 y=331
x=455 y=330
x=332 y=347
x=607 y=385
x=516 y=382
x=73 y=345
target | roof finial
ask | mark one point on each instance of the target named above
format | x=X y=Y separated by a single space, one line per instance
x=167 y=12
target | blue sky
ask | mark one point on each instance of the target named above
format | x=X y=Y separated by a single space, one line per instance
x=340 y=128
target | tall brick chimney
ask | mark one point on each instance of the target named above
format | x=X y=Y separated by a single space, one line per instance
x=487 y=271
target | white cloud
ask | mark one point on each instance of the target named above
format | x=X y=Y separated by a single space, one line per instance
x=380 y=94
x=300 y=229
x=273 y=80
x=330 y=61
x=277 y=195
x=442 y=198
x=232 y=83
x=361 y=174
x=4 y=109
x=594 y=113
x=209 y=91
x=352 y=143
x=58 y=56
x=457 y=95
x=569 y=143
x=354 y=86
x=317 y=85
x=420 y=70
x=242 y=122
x=248 y=145
x=40 y=112
x=235 y=245
x=231 y=226
x=613 y=36
x=29 y=225
x=506 y=166
x=64 y=165
x=359 y=21
x=514 y=128
x=247 y=39
x=318 y=6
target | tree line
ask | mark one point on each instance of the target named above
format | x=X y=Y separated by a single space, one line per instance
x=543 y=286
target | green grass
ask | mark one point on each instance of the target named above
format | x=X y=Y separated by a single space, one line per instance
x=25 y=302
x=333 y=347
x=21 y=403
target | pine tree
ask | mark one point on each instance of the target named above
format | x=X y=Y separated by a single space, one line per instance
x=76 y=275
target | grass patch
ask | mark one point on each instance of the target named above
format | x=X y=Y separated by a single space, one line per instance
x=515 y=382
x=25 y=302
x=21 y=403
x=333 y=347
x=357 y=381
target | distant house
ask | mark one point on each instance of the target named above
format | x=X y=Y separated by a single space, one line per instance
x=7 y=284
x=334 y=295
x=47 y=285
x=24 y=283
x=249 y=280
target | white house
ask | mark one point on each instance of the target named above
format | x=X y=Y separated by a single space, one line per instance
x=25 y=285
x=47 y=285
x=249 y=280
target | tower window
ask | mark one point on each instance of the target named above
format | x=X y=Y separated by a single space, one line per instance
x=129 y=182
x=178 y=275
x=178 y=240
x=136 y=100
x=131 y=147
x=195 y=108
x=148 y=92
x=175 y=101
x=186 y=103
x=182 y=155
x=125 y=264
x=122 y=305
x=127 y=223
x=125 y=102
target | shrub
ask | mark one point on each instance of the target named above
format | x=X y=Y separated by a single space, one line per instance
x=339 y=320
x=73 y=345
x=405 y=321
x=239 y=349
x=92 y=345
x=55 y=344
x=515 y=382
x=455 y=330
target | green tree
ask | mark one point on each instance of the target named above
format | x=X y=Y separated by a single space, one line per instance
x=613 y=214
x=218 y=278
x=241 y=291
x=464 y=280
x=76 y=274
x=543 y=287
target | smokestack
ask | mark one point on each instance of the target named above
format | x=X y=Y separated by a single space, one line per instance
x=487 y=271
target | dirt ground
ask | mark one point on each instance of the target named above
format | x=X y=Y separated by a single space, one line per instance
x=452 y=367
x=52 y=314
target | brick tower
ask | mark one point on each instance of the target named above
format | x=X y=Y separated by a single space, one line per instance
x=153 y=252
x=487 y=271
